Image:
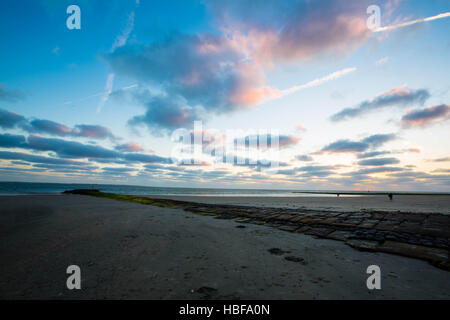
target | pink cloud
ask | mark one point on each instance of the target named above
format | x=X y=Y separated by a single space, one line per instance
x=129 y=147
x=426 y=116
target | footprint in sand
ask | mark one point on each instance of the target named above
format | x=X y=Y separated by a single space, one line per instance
x=296 y=259
x=277 y=251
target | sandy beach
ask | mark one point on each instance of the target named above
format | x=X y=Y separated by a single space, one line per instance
x=403 y=203
x=133 y=251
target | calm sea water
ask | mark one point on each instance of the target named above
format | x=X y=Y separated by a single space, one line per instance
x=16 y=188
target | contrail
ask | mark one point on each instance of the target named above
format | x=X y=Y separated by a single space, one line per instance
x=107 y=92
x=409 y=23
x=319 y=81
x=100 y=94
x=120 y=41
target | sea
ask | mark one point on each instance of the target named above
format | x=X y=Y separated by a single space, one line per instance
x=29 y=188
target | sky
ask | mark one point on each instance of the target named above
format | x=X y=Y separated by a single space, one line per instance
x=295 y=94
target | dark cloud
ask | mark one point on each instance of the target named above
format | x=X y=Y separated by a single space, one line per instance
x=316 y=171
x=145 y=158
x=70 y=149
x=9 y=120
x=11 y=141
x=6 y=155
x=10 y=95
x=400 y=97
x=312 y=171
x=108 y=161
x=442 y=170
x=372 y=154
x=377 y=170
x=445 y=159
x=378 y=161
x=164 y=113
x=304 y=157
x=59 y=129
x=377 y=140
x=117 y=170
x=159 y=167
x=266 y=141
x=426 y=116
x=317 y=174
x=345 y=145
x=47 y=126
x=66 y=168
x=129 y=147
x=73 y=149
x=92 y=131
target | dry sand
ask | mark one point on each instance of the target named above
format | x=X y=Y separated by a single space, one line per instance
x=127 y=250
x=427 y=204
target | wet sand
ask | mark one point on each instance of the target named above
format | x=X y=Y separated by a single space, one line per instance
x=133 y=251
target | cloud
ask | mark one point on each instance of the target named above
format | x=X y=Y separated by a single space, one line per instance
x=345 y=145
x=108 y=89
x=117 y=170
x=11 y=141
x=10 y=95
x=92 y=131
x=226 y=71
x=382 y=61
x=426 y=116
x=316 y=171
x=342 y=146
x=67 y=168
x=378 y=161
x=6 y=155
x=145 y=158
x=445 y=159
x=304 y=157
x=9 y=120
x=377 y=170
x=69 y=149
x=372 y=154
x=295 y=30
x=377 y=140
x=129 y=147
x=47 y=126
x=120 y=41
x=312 y=171
x=284 y=141
x=164 y=113
x=399 y=96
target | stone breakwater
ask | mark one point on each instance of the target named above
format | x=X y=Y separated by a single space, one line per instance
x=418 y=235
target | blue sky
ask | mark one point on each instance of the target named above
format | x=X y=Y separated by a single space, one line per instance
x=100 y=104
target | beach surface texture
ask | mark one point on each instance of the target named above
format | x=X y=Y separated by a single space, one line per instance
x=226 y=248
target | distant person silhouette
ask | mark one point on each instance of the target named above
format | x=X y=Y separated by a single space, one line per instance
x=391 y=196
